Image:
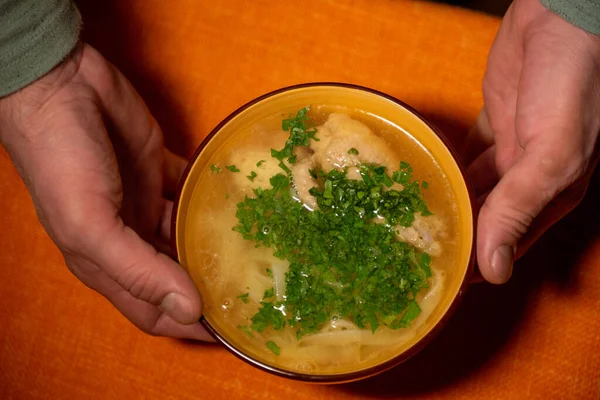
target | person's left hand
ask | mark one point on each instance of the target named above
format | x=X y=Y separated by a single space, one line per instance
x=93 y=160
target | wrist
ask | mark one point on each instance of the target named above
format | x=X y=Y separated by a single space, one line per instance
x=19 y=108
x=35 y=36
x=584 y=14
x=532 y=20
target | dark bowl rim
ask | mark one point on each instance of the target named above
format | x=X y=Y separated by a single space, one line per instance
x=400 y=358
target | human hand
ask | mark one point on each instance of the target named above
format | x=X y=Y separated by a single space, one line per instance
x=535 y=143
x=93 y=160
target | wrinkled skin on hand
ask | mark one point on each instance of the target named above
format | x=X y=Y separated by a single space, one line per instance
x=93 y=160
x=535 y=144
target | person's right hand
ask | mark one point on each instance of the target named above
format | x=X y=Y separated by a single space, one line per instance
x=535 y=145
x=93 y=160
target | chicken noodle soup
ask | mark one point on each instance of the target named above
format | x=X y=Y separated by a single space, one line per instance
x=325 y=242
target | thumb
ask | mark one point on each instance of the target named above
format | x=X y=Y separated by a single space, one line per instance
x=148 y=275
x=542 y=172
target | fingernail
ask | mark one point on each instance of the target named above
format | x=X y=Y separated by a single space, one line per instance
x=502 y=263
x=178 y=307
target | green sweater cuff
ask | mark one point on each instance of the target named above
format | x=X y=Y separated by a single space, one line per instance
x=35 y=36
x=583 y=13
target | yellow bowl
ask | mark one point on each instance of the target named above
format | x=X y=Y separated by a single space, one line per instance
x=286 y=101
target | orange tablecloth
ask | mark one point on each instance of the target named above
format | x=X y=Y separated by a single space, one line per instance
x=196 y=61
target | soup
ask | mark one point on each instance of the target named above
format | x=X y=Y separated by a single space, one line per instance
x=321 y=241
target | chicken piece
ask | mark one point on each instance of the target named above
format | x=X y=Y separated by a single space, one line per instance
x=337 y=136
x=302 y=182
x=341 y=133
x=328 y=155
x=246 y=163
x=424 y=233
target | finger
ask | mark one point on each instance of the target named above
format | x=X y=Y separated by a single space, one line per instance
x=479 y=138
x=482 y=198
x=151 y=320
x=163 y=244
x=136 y=139
x=146 y=274
x=145 y=316
x=513 y=204
x=165 y=222
x=483 y=172
x=173 y=169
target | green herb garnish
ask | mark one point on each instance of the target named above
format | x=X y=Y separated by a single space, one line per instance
x=243 y=298
x=353 y=151
x=301 y=131
x=232 y=168
x=413 y=310
x=214 y=169
x=258 y=164
x=284 y=167
x=330 y=273
x=266 y=316
x=271 y=345
x=342 y=263
x=252 y=176
x=245 y=329
x=404 y=174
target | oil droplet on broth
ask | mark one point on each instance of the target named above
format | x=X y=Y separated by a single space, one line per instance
x=226 y=306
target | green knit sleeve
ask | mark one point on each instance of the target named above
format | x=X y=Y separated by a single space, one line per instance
x=583 y=13
x=35 y=35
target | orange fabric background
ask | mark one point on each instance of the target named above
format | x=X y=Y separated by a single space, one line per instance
x=194 y=62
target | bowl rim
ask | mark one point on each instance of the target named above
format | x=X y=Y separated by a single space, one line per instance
x=392 y=362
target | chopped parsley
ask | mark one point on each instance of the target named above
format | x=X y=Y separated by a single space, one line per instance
x=214 y=169
x=232 y=168
x=258 y=164
x=266 y=316
x=353 y=151
x=271 y=345
x=330 y=272
x=269 y=293
x=284 y=167
x=252 y=176
x=243 y=298
x=404 y=174
x=246 y=330
x=301 y=131
x=342 y=264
